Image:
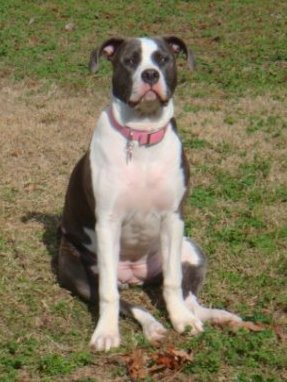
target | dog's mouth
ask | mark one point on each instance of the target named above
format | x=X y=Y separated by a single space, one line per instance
x=149 y=97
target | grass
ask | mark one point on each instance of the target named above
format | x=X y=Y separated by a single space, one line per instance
x=223 y=34
x=232 y=115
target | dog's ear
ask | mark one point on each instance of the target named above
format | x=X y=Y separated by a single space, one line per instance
x=107 y=49
x=178 y=46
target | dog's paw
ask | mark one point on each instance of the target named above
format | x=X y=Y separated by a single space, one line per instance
x=209 y=314
x=222 y=316
x=104 y=341
x=154 y=331
x=187 y=319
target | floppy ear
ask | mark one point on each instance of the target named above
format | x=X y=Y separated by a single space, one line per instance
x=178 y=46
x=107 y=49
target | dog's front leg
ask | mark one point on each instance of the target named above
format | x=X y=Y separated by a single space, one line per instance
x=106 y=335
x=171 y=243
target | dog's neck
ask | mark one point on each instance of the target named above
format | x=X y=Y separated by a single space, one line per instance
x=126 y=115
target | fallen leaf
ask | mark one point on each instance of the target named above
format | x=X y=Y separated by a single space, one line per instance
x=16 y=153
x=172 y=358
x=166 y=363
x=183 y=355
x=280 y=333
x=136 y=365
x=166 y=360
x=31 y=186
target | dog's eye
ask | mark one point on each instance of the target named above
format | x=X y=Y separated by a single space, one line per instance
x=160 y=58
x=130 y=61
x=163 y=60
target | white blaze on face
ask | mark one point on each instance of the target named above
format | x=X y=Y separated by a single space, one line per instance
x=141 y=89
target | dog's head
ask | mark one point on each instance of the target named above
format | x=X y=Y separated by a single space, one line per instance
x=144 y=69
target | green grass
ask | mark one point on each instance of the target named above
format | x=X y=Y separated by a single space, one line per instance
x=20 y=355
x=232 y=114
x=35 y=43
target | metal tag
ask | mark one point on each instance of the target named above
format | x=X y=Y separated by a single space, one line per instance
x=129 y=148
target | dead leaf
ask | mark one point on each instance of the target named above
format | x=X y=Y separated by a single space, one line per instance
x=136 y=365
x=183 y=355
x=166 y=360
x=280 y=333
x=16 y=153
x=31 y=187
x=171 y=358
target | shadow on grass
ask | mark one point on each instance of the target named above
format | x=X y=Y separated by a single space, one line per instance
x=51 y=238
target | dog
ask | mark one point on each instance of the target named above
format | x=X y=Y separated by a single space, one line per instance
x=122 y=220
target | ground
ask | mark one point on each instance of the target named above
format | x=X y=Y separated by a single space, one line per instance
x=232 y=116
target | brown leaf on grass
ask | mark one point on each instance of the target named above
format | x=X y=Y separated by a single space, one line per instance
x=16 y=153
x=183 y=355
x=168 y=362
x=171 y=358
x=280 y=333
x=31 y=187
x=136 y=365
x=234 y=326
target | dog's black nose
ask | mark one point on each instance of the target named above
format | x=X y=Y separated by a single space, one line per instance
x=150 y=76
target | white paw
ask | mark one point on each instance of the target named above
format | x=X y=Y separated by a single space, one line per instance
x=104 y=341
x=187 y=319
x=154 y=331
x=221 y=316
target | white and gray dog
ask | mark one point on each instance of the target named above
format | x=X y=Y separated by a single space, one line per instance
x=122 y=220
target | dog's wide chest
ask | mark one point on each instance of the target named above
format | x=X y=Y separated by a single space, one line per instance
x=139 y=196
x=153 y=179
x=154 y=187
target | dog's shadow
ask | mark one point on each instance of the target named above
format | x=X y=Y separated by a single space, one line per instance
x=51 y=239
x=51 y=234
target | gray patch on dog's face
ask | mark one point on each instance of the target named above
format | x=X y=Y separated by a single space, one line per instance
x=125 y=63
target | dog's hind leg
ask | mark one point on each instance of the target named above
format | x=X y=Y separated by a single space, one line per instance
x=193 y=272
x=152 y=329
x=75 y=271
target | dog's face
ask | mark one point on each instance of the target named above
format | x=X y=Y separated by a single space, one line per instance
x=144 y=69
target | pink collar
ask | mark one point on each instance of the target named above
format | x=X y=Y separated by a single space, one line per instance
x=143 y=137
